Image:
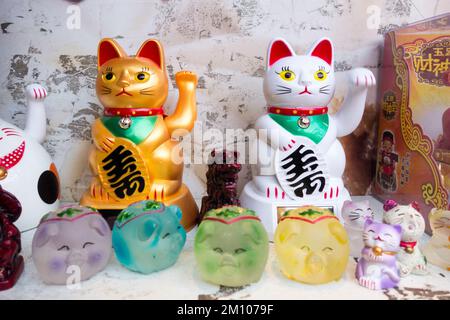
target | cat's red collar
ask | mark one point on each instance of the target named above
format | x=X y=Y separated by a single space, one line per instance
x=408 y=246
x=313 y=111
x=132 y=112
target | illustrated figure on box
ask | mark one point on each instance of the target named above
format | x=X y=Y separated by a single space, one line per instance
x=388 y=160
x=355 y=215
x=71 y=244
x=444 y=139
x=311 y=245
x=377 y=267
x=11 y=262
x=26 y=169
x=410 y=258
x=437 y=249
x=132 y=160
x=148 y=237
x=300 y=159
x=221 y=185
x=231 y=247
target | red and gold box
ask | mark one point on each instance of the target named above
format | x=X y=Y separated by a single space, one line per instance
x=413 y=161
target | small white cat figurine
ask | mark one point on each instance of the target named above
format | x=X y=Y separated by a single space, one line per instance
x=355 y=215
x=410 y=258
x=300 y=159
x=437 y=249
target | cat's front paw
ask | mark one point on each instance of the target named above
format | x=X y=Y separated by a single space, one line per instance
x=35 y=92
x=362 y=78
x=368 y=283
x=286 y=144
x=185 y=78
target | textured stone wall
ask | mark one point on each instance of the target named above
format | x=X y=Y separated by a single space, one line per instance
x=224 y=42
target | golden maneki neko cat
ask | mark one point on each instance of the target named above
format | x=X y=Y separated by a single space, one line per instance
x=133 y=157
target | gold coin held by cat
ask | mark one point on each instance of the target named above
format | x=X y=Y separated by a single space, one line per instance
x=409 y=250
x=377 y=251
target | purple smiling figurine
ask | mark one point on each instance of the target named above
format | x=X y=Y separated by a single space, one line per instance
x=71 y=245
x=377 y=267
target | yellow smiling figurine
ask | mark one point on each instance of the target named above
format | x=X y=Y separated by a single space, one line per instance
x=311 y=245
x=135 y=157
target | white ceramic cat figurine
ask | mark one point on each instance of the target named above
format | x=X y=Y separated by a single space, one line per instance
x=437 y=249
x=26 y=169
x=410 y=259
x=355 y=215
x=300 y=159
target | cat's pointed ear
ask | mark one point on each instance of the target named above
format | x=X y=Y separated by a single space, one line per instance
x=152 y=50
x=323 y=49
x=415 y=205
x=109 y=49
x=389 y=204
x=278 y=49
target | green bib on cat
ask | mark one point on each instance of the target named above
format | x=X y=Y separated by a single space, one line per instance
x=139 y=130
x=317 y=129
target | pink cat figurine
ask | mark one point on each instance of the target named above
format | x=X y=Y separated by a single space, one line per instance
x=377 y=267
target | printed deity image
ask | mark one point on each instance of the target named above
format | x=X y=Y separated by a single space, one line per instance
x=73 y=240
x=132 y=158
x=414 y=128
x=148 y=237
x=311 y=245
x=231 y=247
x=388 y=159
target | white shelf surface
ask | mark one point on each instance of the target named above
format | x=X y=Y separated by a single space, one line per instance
x=182 y=281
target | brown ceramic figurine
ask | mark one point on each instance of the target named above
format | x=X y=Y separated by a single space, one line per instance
x=11 y=262
x=222 y=177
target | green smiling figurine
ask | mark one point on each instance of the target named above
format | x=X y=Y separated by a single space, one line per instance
x=231 y=247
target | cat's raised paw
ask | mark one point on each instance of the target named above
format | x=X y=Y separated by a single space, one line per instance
x=35 y=92
x=186 y=77
x=362 y=77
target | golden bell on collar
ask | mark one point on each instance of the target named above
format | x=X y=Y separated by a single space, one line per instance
x=409 y=250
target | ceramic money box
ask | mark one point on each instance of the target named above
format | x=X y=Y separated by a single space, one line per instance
x=300 y=160
x=137 y=154
x=11 y=262
x=26 y=169
x=231 y=247
x=410 y=258
x=437 y=249
x=311 y=245
x=148 y=237
x=71 y=244
x=377 y=268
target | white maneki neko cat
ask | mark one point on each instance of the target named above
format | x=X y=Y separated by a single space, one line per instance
x=300 y=159
x=26 y=169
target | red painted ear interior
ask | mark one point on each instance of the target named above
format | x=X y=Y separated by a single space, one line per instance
x=151 y=50
x=106 y=52
x=278 y=50
x=324 y=51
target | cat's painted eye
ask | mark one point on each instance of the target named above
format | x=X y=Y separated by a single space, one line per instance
x=109 y=77
x=387 y=235
x=327 y=250
x=218 y=250
x=64 y=248
x=166 y=235
x=371 y=231
x=320 y=75
x=287 y=75
x=86 y=244
x=142 y=76
x=239 y=250
x=305 y=248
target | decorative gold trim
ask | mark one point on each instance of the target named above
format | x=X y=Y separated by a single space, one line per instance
x=432 y=194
